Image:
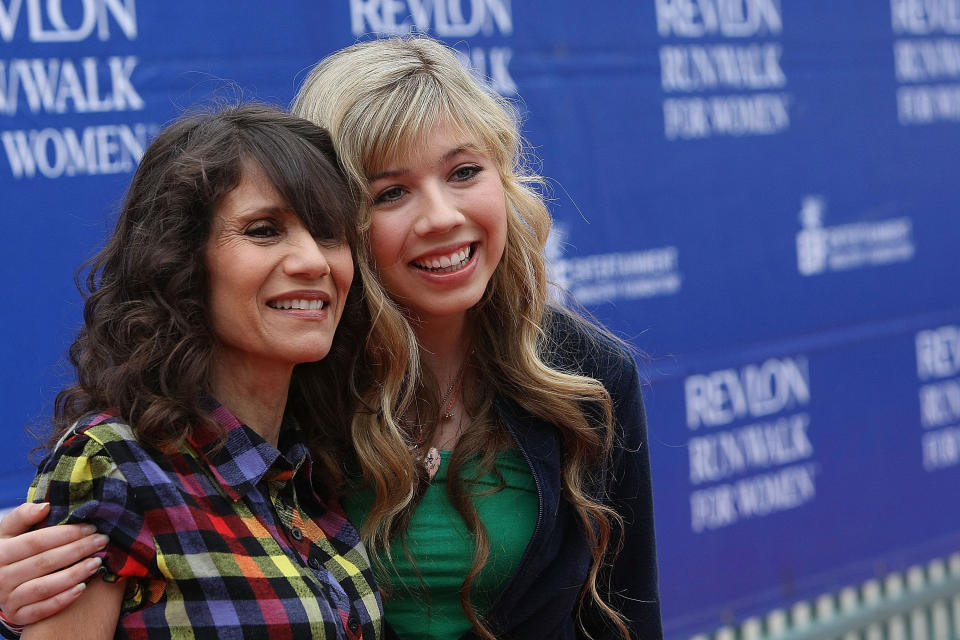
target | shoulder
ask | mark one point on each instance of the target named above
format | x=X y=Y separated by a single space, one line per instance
x=575 y=345
x=96 y=446
x=84 y=473
x=101 y=431
x=105 y=428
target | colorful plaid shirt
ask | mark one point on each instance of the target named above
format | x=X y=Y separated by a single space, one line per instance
x=214 y=542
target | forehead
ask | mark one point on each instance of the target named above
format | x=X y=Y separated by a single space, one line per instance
x=253 y=191
x=429 y=145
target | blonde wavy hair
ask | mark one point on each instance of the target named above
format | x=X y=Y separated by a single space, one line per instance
x=379 y=100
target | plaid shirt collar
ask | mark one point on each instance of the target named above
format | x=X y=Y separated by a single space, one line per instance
x=241 y=461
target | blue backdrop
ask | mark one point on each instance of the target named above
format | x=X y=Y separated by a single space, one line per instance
x=758 y=193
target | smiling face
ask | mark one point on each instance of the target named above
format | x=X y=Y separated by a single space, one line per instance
x=276 y=292
x=438 y=226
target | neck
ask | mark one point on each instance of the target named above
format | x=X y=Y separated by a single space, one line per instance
x=254 y=392
x=443 y=345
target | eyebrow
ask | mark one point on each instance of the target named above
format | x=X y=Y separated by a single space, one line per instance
x=243 y=217
x=460 y=148
x=268 y=209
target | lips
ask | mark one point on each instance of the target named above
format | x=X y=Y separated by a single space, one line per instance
x=446 y=263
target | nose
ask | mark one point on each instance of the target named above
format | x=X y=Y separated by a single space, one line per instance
x=437 y=213
x=306 y=257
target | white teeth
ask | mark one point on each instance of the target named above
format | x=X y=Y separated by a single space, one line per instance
x=446 y=263
x=303 y=305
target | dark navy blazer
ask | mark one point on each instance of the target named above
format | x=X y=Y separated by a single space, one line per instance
x=542 y=598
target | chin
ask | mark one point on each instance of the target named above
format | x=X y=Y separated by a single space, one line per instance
x=311 y=355
x=451 y=307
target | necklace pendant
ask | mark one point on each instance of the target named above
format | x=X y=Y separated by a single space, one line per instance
x=432 y=462
x=448 y=416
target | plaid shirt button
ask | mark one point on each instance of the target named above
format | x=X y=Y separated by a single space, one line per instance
x=314 y=564
x=353 y=623
x=295 y=532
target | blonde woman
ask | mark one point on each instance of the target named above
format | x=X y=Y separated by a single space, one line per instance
x=497 y=466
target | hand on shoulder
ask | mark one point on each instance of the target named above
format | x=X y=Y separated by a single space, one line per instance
x=43 y=571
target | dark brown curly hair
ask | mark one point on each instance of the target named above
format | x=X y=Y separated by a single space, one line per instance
x=145 y=347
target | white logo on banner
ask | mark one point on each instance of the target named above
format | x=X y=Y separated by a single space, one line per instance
x=760 y=463
x=849 y=246
x=87 y=84
x=752 y=71
x=613 y=276
x=453 y=19
x=938 y=366
x=927 y=60
x=46 y=22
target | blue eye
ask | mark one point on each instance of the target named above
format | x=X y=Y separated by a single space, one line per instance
x=389 y=195
x=464 y=173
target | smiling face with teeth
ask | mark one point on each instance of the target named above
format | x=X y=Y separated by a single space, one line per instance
x=438 y=225
x=276 y=291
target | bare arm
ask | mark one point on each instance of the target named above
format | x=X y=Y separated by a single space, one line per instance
x=92 y=616
x=41 y=571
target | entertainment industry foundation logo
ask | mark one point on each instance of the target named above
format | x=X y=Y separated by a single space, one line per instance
x=607 y=277
x=849 y=246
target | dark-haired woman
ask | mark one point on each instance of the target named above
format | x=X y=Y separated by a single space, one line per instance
x=187 y=438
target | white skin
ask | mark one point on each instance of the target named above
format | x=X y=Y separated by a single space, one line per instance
x=444 y=207
x=447 y=196
x=276 y=296
x=28 y=590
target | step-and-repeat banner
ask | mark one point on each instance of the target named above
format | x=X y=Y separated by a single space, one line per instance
x=760 y=194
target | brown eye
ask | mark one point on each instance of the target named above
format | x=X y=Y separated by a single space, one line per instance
x=261 y=230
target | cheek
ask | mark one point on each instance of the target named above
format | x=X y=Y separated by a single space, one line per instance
x=221 y=316
x=236 y=276
x=215 y=287
x=384 y=241
x=497 y=221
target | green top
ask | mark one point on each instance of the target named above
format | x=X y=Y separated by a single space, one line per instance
x=443 y=549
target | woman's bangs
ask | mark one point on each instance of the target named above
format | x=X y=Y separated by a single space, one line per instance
x=309 y=185
x=401 y=125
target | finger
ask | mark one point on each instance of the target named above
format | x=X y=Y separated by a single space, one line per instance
x=31 y=568
x=33 y=543
x=22 y=518
x=45 y=595
x=46 y=608
x=24 y=582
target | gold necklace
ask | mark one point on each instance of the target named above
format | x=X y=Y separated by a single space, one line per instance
x=450 y=396
x=432 y=460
